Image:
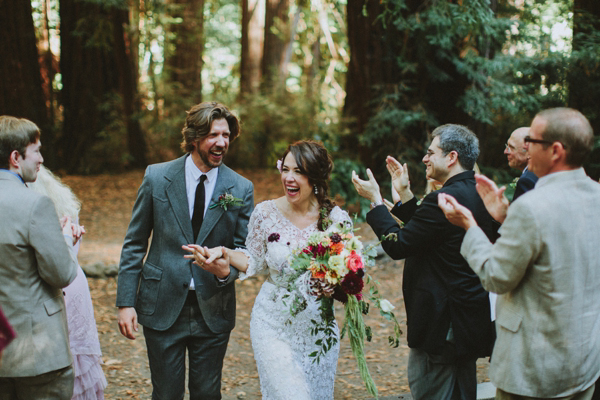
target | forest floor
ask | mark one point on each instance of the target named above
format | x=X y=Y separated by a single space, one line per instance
x=107 y=201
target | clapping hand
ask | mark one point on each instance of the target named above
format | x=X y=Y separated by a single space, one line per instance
x=367 y=189
x=215 y=260
x=493 y=198
x=400 y=180
x=456 y=213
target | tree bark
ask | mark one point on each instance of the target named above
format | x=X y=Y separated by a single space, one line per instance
x=253 y=32
x=372 y=66
x=276 y=32
x=184 y=55
x=21 y=93
x=99 y=90
x=125 y=54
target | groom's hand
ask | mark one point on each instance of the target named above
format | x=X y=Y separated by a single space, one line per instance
x=127 y=319
x=219 y=268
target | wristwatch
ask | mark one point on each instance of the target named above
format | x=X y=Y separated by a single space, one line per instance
x=376 y=203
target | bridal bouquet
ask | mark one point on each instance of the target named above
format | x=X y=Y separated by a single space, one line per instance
x=332 y=267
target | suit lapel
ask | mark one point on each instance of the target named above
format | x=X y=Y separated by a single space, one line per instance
x=177 y=195
x=212 y=216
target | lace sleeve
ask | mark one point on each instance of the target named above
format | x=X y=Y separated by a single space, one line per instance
x=256 y=245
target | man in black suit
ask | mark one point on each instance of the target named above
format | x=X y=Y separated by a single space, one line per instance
x=516 y=153
x=448 y=311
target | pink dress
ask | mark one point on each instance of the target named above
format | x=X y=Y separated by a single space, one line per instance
x=83 y=337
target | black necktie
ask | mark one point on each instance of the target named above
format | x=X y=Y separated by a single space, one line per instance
x=198 y=215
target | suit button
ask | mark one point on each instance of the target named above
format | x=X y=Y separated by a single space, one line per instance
x=185 y=285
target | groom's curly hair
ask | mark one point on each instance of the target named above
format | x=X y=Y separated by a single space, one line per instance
x=316 y=164
x=199 y=121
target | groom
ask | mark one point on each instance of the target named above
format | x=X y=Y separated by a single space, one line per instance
x=181 y=306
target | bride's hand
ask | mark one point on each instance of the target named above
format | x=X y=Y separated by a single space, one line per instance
x=198 y=253
x=214 y=253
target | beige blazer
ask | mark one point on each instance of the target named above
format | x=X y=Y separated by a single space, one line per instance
x=546 y=266
x=35 y=263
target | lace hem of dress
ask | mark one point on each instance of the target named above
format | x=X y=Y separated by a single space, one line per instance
x=90 y=381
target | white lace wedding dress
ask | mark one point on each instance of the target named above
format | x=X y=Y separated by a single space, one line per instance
x=281 y=348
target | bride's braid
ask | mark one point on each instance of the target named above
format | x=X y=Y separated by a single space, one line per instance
x=314 y=162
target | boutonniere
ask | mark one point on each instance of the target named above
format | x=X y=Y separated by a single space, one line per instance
x=227 y=200
x=513 y=184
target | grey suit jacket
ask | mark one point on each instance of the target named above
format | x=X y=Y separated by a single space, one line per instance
x=158 y=286
x=35 y=263
x=546 y=266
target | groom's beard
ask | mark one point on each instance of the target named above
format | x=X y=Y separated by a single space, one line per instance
x=205 y=157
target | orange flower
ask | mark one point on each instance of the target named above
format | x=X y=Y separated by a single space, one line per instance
x=318 y=274
x=354 y=262
x=336 y=248
x=317 y=270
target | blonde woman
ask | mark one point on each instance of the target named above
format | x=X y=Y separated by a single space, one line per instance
x=83 y=335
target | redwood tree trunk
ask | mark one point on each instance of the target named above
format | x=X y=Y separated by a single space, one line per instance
x=126 y=62
x=276 y=30
x=372 y=66
x=253 y=31
x=99 y=89
x=184 y=55
x=21 y=93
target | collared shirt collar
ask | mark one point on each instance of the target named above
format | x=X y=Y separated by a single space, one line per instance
x=468 y=174
x=195 y=171
x=568 y=175
x=15 y=174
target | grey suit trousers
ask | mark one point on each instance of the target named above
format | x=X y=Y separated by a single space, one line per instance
x=167 y=350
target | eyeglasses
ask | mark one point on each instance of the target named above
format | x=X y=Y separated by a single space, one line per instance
x=528 y=139
x=513 y=149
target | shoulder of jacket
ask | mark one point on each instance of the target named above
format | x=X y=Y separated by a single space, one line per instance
x=240 y=179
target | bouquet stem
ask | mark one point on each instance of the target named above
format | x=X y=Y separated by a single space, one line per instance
x=357 y=334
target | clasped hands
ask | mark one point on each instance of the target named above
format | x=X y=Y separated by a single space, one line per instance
x=70 y=229
x=215 y=260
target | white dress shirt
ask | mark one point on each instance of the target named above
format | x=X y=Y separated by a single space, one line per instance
x=192 y=178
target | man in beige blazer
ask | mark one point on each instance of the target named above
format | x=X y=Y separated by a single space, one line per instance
x=545 y=266
x=35 y=263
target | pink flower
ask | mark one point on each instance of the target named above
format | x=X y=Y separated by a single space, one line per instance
x=279 y=165
x=354 y=261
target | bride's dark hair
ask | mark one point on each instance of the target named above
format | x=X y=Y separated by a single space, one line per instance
x=315 y=163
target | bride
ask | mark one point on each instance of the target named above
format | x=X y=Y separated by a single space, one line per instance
x=282 y=343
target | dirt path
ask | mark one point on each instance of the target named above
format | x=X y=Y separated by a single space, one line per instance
x=106 y=209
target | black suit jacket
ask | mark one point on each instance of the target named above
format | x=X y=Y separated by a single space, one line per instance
x=439 y=286
x=525 y=183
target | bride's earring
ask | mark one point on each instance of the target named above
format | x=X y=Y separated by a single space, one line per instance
x=316 y=190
